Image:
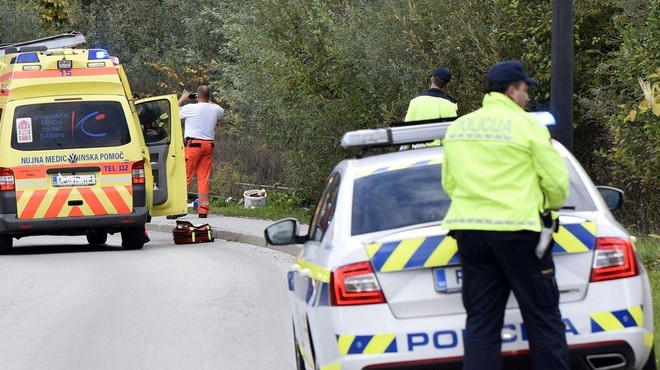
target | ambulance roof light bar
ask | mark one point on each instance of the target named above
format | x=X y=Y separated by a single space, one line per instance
x=65 y=40
x=412 y=134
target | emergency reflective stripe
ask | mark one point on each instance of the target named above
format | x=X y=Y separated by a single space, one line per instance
x=414 y=253
x=56 y=73
x=333 y=366
x=96 y=201
x=316 y=272
x=308 y=359
x=617 y=320
x=402 y=165
x=499 y=164
x=442 y=250
x=366 y=344
x=648 y=339
x=574 y=238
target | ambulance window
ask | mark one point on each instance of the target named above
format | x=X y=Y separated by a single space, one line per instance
x=69 y=125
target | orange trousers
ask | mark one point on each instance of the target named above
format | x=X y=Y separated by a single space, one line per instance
x=199 y=160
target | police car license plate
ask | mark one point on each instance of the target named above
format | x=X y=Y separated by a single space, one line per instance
x=448 y=279
x=74 y=180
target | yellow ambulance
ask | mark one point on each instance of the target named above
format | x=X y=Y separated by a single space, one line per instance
x=73 y=154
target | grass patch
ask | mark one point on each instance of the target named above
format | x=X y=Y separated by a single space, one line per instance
x=648 y=249
x=278 y=205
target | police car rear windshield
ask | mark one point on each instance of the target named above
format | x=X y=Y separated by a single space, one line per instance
x=412 y=196
x=69 y=125
x=399 y=198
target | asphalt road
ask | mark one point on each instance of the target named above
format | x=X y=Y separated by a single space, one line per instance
x=221 y=305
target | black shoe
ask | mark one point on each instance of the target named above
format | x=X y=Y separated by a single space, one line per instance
x=203 y=216
x=146 y=239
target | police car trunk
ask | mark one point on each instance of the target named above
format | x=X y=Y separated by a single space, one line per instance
x=398 y=205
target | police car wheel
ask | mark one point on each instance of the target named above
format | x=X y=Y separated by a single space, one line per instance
x=97 y=237
x=6 y=244
x=133 y=238
x=650 y=363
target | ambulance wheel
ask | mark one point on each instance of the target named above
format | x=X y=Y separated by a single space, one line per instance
x=6 y=244
x=97 y=237
x=133 y=238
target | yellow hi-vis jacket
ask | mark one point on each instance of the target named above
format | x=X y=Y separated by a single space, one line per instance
x=426 y=107
x=500 y=169
x=433 y=104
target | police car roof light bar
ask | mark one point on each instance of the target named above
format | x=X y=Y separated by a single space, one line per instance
x=412 y=134
x=394 y=135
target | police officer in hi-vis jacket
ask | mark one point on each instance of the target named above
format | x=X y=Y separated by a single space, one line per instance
x=501 y=171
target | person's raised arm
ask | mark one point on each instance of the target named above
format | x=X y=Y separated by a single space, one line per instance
x=184 y=97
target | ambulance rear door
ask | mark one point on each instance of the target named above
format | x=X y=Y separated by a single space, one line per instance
x=161 y=127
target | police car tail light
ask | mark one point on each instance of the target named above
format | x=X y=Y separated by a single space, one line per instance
x=614 y=259
x=138 y=173
x=355 y=284
x=6 y=179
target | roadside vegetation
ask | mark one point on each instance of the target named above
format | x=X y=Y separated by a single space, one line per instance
x=295 y=75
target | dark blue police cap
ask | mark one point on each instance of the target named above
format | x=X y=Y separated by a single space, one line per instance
x=507 y=72
x=442 y=73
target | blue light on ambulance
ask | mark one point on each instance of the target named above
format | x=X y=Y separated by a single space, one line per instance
x=96 y=54
x=27 y=58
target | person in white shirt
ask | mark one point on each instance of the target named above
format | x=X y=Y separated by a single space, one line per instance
x=199 y=121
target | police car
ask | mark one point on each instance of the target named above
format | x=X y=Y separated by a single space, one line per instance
x=377 y=283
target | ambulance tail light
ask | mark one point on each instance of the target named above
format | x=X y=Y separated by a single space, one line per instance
x=7 y=179
x=137 y=173
x=355 y=284
x=614 y=258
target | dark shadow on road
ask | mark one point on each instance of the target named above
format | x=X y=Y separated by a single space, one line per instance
x=54 y=248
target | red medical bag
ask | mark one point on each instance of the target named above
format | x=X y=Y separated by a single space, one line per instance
x=187 y=233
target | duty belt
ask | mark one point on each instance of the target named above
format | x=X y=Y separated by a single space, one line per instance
x=189 y=142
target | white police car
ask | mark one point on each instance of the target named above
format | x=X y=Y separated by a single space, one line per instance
x=377 y=284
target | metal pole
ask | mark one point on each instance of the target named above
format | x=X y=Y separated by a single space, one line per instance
x=561 y=71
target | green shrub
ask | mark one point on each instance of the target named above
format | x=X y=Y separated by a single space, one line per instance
x=636 y=156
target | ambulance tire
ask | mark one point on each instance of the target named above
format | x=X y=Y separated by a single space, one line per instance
x=6 y=244
x=97 y=237
x=133 y=238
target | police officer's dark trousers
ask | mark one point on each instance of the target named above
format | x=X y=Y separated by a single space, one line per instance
x=494 y=264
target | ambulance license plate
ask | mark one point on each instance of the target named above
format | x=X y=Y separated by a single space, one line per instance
x=448 y=279
x=74 y=180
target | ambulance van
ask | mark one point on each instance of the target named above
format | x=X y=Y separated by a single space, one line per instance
x=73 y=156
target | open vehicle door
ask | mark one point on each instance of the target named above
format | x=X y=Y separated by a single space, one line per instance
x=161 y=125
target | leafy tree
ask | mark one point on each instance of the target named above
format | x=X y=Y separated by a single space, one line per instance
x=19 y=21
x=52 y=14
x=635 y=152
x=294 y=75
